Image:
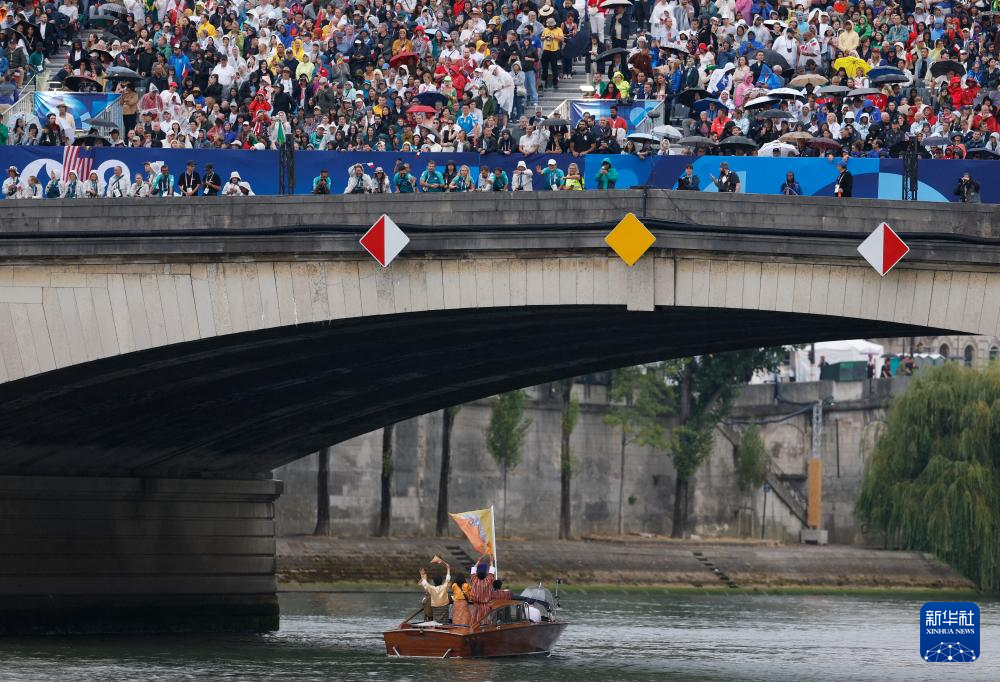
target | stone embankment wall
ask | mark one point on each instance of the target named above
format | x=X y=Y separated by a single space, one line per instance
x=851 y=423
x=727 y=565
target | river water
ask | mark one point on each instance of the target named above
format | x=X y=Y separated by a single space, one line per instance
x=612 y=636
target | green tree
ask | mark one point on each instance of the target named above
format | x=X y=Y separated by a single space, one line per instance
x=568 y=420
x=932 y=481
x=705 y=388
x=640 y=399
x=447 y=423
x=505 y=435
x=750 y=460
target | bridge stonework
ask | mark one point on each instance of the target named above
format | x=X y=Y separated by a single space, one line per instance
x=159 y=358
x=55 y=316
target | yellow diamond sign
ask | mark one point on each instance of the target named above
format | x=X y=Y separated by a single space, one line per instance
x=630 y=239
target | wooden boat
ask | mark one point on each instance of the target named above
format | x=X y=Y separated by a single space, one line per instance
x=512 y=627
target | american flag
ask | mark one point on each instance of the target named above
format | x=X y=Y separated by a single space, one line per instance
x=78 y=159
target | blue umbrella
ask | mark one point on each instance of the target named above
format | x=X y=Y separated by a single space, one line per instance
x=884 y=71
x=430 y=99
x=702 y=104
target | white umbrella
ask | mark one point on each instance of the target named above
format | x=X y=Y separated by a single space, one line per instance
x=778 y=149
x=616 y=3
x=760 y=102
x=786 y=93
x=668 y=132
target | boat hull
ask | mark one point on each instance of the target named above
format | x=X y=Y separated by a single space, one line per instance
x=520 y=639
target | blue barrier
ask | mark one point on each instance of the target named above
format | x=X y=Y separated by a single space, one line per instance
x=873 y=178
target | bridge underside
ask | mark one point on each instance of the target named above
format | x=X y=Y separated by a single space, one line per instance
x=239 y=405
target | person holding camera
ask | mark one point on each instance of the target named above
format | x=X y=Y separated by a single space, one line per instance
x=237 y=186
x=51 y=134
x=321 y=183
x=358 y=182
x=968 y=190
x=380 y=182
x=523 y=178
x=12 y=185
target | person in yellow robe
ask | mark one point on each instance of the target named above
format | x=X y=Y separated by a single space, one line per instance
x=461 y=594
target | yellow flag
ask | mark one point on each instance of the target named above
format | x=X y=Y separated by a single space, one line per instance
x=478 y=527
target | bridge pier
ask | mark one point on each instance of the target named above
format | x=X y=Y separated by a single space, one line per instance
x=129 y=555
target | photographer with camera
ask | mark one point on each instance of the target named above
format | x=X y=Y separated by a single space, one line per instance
x=237 y=186
x=321 y=183
x=968 y=189
x=12 y=185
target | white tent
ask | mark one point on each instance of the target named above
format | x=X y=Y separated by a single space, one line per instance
x=834 y=352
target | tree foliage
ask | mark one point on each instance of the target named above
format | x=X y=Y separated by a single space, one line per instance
x=750 y=460
x=932 y=480
x=641 y=399
x=505 y=434
x=708 y=384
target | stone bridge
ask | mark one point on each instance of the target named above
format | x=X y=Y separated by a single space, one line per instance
x=149 y=345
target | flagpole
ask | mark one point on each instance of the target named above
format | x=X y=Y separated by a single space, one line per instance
x=496 y=564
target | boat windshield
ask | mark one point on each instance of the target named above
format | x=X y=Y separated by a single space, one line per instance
x=505 y=615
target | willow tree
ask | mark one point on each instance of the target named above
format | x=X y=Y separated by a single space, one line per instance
x=505 y=435
x=932 y=481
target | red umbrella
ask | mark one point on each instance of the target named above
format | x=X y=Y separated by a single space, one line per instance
x=421 y=109
x=402 y=57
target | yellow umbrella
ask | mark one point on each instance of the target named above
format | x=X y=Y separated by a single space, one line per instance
x=852 y=65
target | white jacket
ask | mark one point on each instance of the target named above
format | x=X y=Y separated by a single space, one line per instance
x=11 y=187
x=353 y=181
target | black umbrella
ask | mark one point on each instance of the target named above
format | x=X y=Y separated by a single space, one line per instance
x=862 y=92
x=936 y=141
x=91 y=141
x=687 y=97
x=738 y=141
x=611 y=53
x=102 y=54
x=695 y=141
x=554 y=122
x=982 y=153
x=833 y=90
x=772 y=59
x=901 y=146
x=122 y=73
x=890 y=78
x=82 y=84
x=946 y=66
x=774 y=113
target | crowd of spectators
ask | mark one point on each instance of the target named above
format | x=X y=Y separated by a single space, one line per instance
x=795 y=77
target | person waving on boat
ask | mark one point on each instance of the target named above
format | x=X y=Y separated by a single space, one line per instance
x=436 y=602
x=482 y=591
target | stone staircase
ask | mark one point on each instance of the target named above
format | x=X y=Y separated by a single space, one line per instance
x=569 y=88
x=46 y=80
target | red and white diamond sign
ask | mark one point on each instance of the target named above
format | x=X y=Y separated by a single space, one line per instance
x=384 y=240
x=883 y=249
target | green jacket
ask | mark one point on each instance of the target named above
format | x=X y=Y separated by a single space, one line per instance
x=607 y=180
